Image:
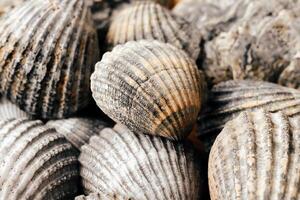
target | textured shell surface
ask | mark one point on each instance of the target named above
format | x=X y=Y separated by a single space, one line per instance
x=7 y=5
x=258 y=160
x=118 y=161
x=36 y=162
x=228 y=99
x=150 y=21
x=77 y=130
x=150 y=87
x=9 y=110
x=47 y=53
x=97 y=196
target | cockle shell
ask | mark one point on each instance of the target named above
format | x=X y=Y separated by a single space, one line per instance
x=256 y=156
x=97 y=196
x=118 y=161
x=77 y=130
x=36 y=162
x=47 y=53
x=150 y=21
x=9 y=110
x=228 y=99
x=150 y=87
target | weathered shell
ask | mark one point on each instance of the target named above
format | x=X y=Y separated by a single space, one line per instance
x=150 y=87
x=256 y=156
x=47 y=53
x=36 y=162
x=228 y=99
x=97 y=196
x=77 y=130
x=150 y=21
x=9 y=110
x=118 y=161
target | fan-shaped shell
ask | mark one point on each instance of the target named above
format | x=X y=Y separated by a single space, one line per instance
x=118 y=161
x=228 y=99
x=36 y=162
x=97 y=196
x=77 y=130
x=150 y=87
x=150 y=21
x=256 y=156
x=47 y=50
x=9 y=110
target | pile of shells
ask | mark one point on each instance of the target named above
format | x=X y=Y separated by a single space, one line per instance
x=149 y=99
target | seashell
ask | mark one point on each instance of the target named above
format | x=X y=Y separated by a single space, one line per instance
x=47 y=52
x=290 y=75
x=7 y=5
x=258 y=160
x=228 y=99
x=150 y=87
x=150 y=21
x=118 y=161
x=9 y=110
x=36 y=162
x=97 y=196
x=77 y=130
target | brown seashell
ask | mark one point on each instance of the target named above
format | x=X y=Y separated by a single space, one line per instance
x=150 y=87
x=9 y=110
x=36 y=162
x=97 y=196
x=228 y=99
x=77 y=130
x=150 y=21
x=256 y=156
x=47 y=51
x=118 y=161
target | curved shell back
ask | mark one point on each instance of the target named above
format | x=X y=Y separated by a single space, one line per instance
x=47 y=50
x=118 y=161
x=77 y=130
x=36 y=162
x=97 y=196
x=150 y=21
x=9 y=110
x=228 y=99
x=150 y=87
x=258 y=160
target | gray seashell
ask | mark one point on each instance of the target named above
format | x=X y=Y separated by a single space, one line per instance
x=228 y=99
x=150 y=21
x=97 y=196
x=36 y=162
x=150 y=87
x=118 y=161
x=256 y=156
x=77 y=130
x=9 y=110
x=47 y=50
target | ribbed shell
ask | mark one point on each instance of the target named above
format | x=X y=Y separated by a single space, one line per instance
x=36 y=162
x=256 y=156
x=9 y=110
x=228 y=99
x=118 y=161
x=97 y=196
x=150 y=21
x=150 y=87
x=77 y=130
x=47 y=53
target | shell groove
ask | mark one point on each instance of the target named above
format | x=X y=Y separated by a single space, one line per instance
x=150 y=21
x=77 y=130
x=9 y=110
x=118 y=161
x=258 y=160
x=97 y=196
x=150 y=87
x=228 y=99
x=47 y=51
x=36 y=162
